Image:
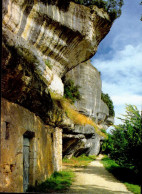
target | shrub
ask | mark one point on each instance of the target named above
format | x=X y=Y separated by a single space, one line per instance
x=71 y=91
x=106 y=99
x=125 y=175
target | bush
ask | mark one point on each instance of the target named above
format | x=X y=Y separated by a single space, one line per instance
x=125 y=175
x=71 y=91
x=125 y=143
x=113 y=7
x=106 y=99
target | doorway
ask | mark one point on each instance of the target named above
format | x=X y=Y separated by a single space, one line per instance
x=28 y=159
x=26 y=162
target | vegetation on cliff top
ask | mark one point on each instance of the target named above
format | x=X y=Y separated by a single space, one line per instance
x=106 y=99
x=113 y=7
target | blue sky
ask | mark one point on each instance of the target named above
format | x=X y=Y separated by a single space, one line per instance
x=119 y=59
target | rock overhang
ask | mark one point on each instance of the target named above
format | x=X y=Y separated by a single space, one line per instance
x=66 y=38
x=38 y=32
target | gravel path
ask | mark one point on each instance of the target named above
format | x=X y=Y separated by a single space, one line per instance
x=96 y=179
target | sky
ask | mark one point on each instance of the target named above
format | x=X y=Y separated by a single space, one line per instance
x=119 y=59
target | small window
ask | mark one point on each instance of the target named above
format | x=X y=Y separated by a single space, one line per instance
x=7 y=130
x=52 y=137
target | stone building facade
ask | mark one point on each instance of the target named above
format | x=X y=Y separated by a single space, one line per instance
x=30 y=150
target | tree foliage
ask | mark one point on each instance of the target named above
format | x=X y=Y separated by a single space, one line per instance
x=124 y=144
x=71 y=91
x=113 y=7
x=106 y=99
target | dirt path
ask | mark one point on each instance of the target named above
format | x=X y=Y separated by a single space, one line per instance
x=96 y=179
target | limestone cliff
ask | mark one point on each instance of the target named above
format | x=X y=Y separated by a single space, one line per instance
x=41 y=31
x=85 y=139
x=88 y=78
x=81 y=140
x=41 y=42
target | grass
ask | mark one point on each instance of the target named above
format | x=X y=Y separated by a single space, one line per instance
x=125 y=175
x=55 y=96
x=73 y=114
x=58 y=182
x=79 y=161
x=79 y=118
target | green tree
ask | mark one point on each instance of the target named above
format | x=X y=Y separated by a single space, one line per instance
x=106 y=99
x=124 y=144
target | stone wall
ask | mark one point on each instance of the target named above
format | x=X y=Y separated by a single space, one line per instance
x=45 y=148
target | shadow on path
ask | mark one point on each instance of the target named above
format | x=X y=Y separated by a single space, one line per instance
x=94 y=189
x=96 y=179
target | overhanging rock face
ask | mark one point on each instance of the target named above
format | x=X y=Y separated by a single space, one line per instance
x=81 y=140
x=64 y=37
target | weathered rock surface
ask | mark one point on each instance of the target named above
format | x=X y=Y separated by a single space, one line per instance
x=88 y=78
x=34 y=33
x=81 y=140
x=65 y=37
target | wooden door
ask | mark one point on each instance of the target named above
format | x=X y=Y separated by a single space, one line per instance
x=26 y=163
